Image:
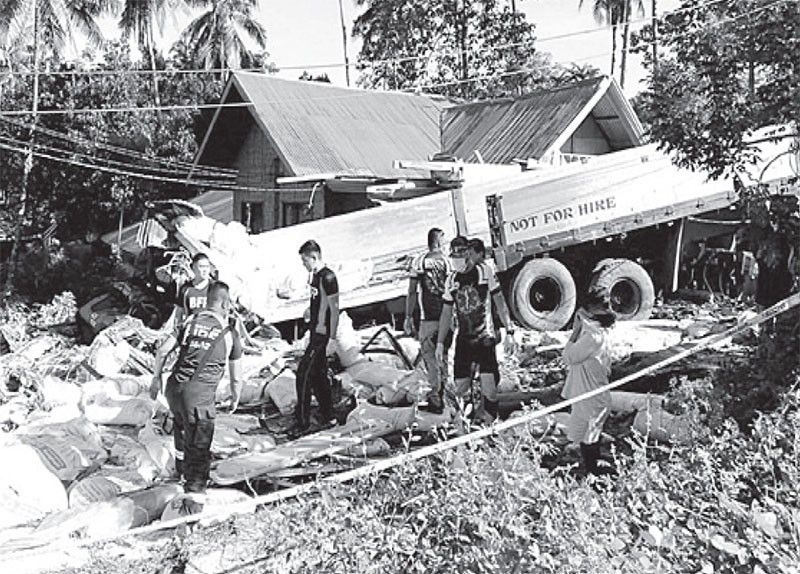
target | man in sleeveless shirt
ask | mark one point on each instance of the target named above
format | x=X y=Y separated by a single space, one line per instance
x=427 y=278
x=312 y=372
x=206 y=343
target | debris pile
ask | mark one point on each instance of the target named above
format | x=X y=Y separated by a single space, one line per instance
x=86 y=449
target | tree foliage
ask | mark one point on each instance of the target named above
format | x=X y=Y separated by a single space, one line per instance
x=466 y=48
x=725 y=69
x=80 y=198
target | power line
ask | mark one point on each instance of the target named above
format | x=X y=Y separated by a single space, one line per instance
x=107 y=162
x=125 y=152
x=182 y=181
x=356 y=93
x=642 y=45
x=372 y=63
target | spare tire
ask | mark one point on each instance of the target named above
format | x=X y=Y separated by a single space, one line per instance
x=629 y=288
x=543 y=295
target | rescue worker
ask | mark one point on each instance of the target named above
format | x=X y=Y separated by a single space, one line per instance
x=193 y=295
x=588 y=363
x=426 y=282
x=470 y=292
x=323 y=317
x=206 y=342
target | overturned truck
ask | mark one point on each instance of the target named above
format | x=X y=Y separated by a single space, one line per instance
x=620 y=222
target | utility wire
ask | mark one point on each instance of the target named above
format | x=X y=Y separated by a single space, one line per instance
x=372 y=63
x=126 y=152
x=356 y=93
x=182 y=181
x=155 y=171
x=641 y=45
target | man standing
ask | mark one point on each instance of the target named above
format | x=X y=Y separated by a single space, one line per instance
x=193 y=295
x=426 y=283
x=472 y=289
x=312 y=372
x=206 y=343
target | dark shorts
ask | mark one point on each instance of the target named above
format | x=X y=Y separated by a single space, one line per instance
x=480 y=352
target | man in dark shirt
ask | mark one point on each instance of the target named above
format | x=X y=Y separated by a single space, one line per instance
x=193 y=295
x=470 y=292
x=427 y=278
x=206 y=342
x=312 y=372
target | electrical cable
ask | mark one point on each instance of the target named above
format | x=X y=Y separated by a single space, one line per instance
x=182 y=181
x=128 y=153
x=372 y=63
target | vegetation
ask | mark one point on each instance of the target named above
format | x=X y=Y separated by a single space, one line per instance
x=467 y=48
x=726 y=503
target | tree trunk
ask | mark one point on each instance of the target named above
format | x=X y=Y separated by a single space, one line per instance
x=152 y=54
x=613 y=48
x=626 y=28
x=655 y=36
x=28 y=165
x=344 y=46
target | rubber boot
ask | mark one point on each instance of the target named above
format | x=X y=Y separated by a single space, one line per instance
x=491 y=408
x=179 y=469
x=590 y=453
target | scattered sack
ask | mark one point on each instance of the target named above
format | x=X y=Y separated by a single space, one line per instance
x=56 y=392
x=160 y=446
x=108 y=517
x=28 y=488
x=108 y=357
x=67 y=449
x=215 y=499
x=373 y=447
x=399 y=418
x=283 y=392
x=658 y=424
x=347 y=344
x=133 y=456
x=104 y=486
x=117 y=400
x=376 y=374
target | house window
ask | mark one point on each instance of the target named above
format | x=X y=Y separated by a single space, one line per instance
x=253 y=216
x=294 y=213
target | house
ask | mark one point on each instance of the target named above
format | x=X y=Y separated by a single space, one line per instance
x=551 y=127
x=329 y=143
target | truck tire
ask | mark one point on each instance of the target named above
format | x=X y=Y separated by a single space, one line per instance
x=543 y=295
x=629 y=288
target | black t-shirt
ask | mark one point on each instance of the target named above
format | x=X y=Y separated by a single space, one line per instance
x=323 y=286
x=471 y=295
x=197 y=335
x=431 y=270
x=192 y=299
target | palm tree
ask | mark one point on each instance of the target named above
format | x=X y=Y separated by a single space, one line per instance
x=628 y=6
x=141 y=19
x=53 y=24
x=608 y=13
x=219 y=35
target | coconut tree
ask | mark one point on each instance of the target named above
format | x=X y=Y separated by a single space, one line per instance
x=608 y=13
x=219 y=36
x=141 y=19
x=52 y=23
x=628 y=7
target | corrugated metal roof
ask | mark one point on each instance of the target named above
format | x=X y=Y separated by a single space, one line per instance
x=526 y=127
x=319 y=128
x=216 y=204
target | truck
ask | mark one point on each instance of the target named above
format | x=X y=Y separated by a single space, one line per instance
x=619 y=222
